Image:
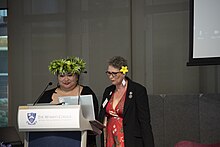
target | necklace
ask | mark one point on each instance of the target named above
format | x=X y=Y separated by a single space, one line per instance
x=119 y=92
x=118 y=95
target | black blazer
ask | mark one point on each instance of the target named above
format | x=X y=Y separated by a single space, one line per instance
x=136 y=115
x=47 y=98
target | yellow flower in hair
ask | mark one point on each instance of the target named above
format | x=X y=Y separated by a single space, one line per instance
x=124 y=69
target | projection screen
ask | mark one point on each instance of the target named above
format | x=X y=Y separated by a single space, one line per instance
x=204 y=33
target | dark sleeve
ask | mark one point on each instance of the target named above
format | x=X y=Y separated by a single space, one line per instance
x=102 y=110
x=47 y=96
x=105 y=97
x=143 y=114
x=87 y=90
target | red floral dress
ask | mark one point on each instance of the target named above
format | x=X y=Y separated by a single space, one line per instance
x=114 y=129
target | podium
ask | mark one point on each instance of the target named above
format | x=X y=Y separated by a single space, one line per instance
x=55 y=125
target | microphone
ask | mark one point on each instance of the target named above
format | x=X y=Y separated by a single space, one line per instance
x=50 y=83
x=78 y=99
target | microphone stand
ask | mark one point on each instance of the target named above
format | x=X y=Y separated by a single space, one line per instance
x=50 y=83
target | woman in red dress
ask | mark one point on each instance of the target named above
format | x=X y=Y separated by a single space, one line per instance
x=124 y=110
x=114 y=128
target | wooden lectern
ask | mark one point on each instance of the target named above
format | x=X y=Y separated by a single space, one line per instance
x=55 y=125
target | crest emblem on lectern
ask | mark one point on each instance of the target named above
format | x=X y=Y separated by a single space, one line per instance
x=31 y=118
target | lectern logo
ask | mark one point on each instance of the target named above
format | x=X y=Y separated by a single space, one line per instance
x=31 y=118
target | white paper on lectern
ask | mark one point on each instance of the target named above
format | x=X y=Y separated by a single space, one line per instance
x=86 y=102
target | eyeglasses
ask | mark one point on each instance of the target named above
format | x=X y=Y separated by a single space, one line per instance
x=113 y=74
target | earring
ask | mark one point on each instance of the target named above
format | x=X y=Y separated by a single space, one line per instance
x=58 y=85
x=123 y=83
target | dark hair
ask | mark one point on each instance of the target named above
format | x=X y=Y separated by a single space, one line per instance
x=117 y=62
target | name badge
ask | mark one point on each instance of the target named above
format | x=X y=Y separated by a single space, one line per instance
x=104 y=103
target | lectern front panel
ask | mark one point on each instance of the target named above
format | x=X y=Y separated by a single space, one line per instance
x=54 y=139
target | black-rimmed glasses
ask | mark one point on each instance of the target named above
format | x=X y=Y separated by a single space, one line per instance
x=113 y=74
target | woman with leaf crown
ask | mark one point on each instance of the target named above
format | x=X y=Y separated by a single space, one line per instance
x=68 y=71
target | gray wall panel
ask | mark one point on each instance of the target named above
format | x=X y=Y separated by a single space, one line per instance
x=156 y=103
x=181 y=119
x=210 y=118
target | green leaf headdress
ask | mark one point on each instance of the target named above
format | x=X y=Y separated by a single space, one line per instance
x=68 y=65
